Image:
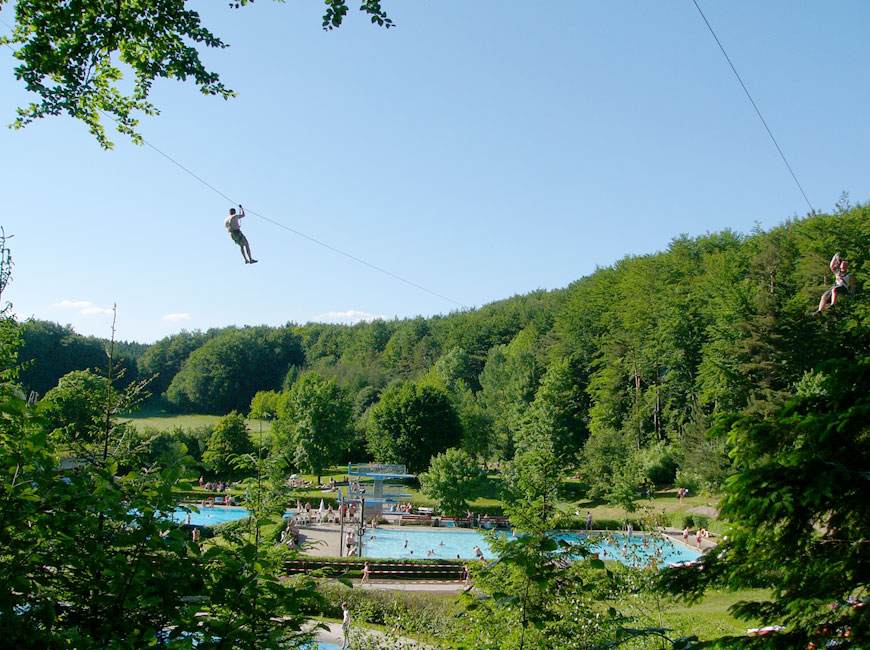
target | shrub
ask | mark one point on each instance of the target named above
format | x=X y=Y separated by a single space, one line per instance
x=658 y=463
x=415 y=612
x=691 y=480
x=696 y=521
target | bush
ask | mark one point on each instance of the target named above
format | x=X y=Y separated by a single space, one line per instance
x=689 y=479
x=696 y=521
x=658 y=463
x=413 y=612
x=573 y=522
x=237 y=526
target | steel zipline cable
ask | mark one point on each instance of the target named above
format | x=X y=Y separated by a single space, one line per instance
x=214 y=189
x=301 y=234
x=752 y=101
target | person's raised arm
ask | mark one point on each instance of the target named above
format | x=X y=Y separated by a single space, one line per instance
x=241 y=211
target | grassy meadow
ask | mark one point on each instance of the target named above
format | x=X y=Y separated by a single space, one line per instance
x=155 y=417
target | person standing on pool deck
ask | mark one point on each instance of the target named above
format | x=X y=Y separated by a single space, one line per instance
x=345 y=626
x=235 y=230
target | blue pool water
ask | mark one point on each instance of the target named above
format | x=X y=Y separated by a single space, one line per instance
x=439 y=543
x=209 y=516
x=637 y=550
x=444 y=543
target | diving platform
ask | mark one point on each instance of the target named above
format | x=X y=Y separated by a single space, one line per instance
x=377 y=492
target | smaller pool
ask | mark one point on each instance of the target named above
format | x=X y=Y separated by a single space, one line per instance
x=209 y=516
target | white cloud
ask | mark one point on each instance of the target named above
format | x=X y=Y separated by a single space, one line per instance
x=350 y=316
x=82 y=306
x=174 y=317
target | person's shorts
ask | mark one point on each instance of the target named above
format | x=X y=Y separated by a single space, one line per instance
x=238 y=237
x=840 y=289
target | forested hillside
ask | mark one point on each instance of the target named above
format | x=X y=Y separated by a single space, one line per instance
x=625 y=368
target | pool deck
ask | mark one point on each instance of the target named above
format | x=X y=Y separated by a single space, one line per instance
x=321 y=539
x=676 y=536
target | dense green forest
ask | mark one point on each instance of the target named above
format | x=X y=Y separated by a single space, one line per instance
x=628 y=366
x=704 y=365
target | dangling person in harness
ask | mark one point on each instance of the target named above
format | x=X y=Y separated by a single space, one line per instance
x=232 y=225
x=843 y=282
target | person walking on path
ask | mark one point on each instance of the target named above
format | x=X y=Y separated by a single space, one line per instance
x=366 y=572
x=345 y=626
x=235 y=230
x=588 y=522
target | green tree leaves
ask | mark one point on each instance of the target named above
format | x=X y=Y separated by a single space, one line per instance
x=412 y=423
x=800 y=516
x=452 y=480
x=226 y=372
x=72 y=55
x=228 y=440
x=313 y=428
x=75 y=55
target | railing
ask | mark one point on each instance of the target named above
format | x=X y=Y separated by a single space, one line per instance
x=375 y=491
x=361 y=469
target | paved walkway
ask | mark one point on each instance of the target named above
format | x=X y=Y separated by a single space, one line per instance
x=333 y=634
x=321 y=539
x=676 y=535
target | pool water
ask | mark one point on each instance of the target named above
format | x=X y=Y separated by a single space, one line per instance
x=439 y=543
x=208 y=516
x=634 y=550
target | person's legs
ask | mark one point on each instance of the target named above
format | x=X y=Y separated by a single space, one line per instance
x=242 y=241
x=823 y=303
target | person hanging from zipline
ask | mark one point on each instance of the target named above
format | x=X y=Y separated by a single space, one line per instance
x=232 y=225
x=843 y=281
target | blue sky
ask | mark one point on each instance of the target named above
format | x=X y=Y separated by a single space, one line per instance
x=479 y=149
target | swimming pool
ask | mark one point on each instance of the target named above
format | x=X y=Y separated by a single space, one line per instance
x=634 y=550
x=209 y=516
x=439 y=543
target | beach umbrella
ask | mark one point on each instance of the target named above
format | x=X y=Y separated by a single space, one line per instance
x=321 y=506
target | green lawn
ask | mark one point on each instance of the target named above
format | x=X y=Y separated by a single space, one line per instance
x=160 y=419
x=710 y=618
